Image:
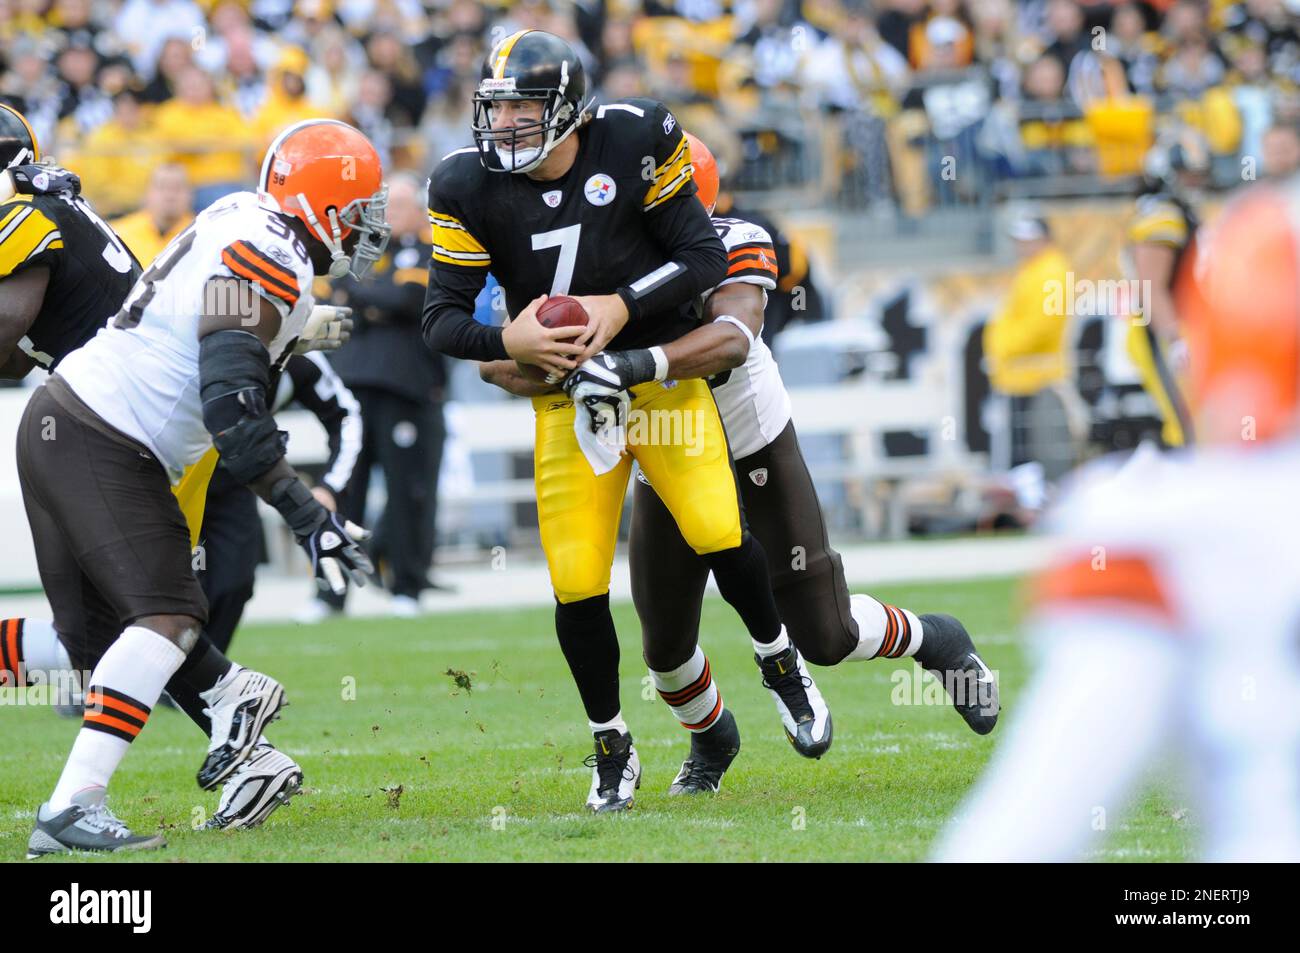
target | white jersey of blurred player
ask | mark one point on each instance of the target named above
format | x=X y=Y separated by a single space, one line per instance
x=753 y=401
x=1169 y=621
x=141 y=372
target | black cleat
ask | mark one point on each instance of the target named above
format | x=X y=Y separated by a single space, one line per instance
x=712 y=752
x=616 y=772
x=948 y=654
x=803 y=711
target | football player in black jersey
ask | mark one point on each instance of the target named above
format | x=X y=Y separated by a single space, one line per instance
x=59 y=261
x=556 y=198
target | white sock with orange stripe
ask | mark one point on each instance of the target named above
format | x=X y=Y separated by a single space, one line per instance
x=884 y=631
x=28 y=646
x=122 y=692
x=690 y=692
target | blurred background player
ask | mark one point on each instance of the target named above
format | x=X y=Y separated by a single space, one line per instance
x=400 y=386
x=1167 y=618
x=636 y=198
x=1160 y=237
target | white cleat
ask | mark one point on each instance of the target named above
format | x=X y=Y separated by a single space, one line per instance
x=267 y=780
x=241 y=705
x=803 y=711
x=615 y=774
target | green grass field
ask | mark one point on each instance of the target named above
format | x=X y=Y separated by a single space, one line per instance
x=415 y=768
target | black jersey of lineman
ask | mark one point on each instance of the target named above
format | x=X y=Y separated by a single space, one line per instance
x=91 y=269
x=586 y=233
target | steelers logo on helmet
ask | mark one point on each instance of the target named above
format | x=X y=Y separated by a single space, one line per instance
x=529 y=66
x=600 y=189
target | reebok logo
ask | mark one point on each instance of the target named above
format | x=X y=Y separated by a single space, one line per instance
x=77 y=906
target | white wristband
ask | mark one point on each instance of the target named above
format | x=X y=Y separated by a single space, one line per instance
x=661 y=362
x=732 y=319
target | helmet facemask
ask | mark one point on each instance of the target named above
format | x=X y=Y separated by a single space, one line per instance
x=368 y=218
x=559 y=119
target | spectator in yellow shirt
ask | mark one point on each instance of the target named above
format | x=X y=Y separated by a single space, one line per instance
x=115 y=159
x=207 y=137
x=1025 y=350
x=286 y=99
x=168 y=209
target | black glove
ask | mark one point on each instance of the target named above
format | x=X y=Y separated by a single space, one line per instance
x=610 y=372
x=33 y=178
x=330 y=543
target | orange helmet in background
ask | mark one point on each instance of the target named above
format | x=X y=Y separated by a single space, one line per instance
x=705 y=171
x=1239 y=304
x=328 y=175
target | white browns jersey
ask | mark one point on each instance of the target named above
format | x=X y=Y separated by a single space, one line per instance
x=140 y=373
x=751 y=398
x=1168 y=622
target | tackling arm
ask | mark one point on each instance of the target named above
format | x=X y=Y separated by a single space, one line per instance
x=21 y=297
x=234 y=378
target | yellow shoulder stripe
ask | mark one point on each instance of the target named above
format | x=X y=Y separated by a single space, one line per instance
x=1160 y=228
x=25 y=231
x=669 y=178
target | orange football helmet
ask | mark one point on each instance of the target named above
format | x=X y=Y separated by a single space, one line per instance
x=705 y=171
x=1239 y=304
x=328 y=175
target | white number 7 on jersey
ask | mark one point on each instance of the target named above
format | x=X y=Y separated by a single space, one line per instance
x=567 y=240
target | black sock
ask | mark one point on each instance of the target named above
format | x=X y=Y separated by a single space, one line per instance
x=743 y=580
x=587 y=638
x=202 y=668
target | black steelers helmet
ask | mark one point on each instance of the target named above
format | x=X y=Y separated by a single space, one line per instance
x=17 y=141
x=529 y=65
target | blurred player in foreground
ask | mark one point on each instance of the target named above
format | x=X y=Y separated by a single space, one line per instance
x=1169 y=616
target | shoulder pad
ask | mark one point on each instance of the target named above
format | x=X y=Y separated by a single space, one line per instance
x=457 y=174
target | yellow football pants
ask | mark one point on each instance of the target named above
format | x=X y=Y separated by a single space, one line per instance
x=192 y=492
x=675 y=433
x=1158 y=380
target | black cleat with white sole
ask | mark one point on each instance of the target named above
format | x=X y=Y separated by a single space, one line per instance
x=948 y=654
x=712 y=752
x=241 y=705
x=616 y=772
x=803 y=711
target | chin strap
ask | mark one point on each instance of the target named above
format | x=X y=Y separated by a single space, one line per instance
x=340 y=264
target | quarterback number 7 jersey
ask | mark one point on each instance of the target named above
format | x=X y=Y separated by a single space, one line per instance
x=141 y=373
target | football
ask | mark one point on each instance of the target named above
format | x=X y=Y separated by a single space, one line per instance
x=561 y=311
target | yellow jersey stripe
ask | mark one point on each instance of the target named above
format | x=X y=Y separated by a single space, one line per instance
x=503 y=54
x=23 y=235
x=456 y=240
x=1165 y=229
x=451 y=258
x=670 y=177
x=450 y=221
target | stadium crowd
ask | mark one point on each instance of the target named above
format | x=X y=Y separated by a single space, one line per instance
x=866 y=102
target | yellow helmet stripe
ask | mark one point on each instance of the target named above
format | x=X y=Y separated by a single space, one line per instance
x=503 y=54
